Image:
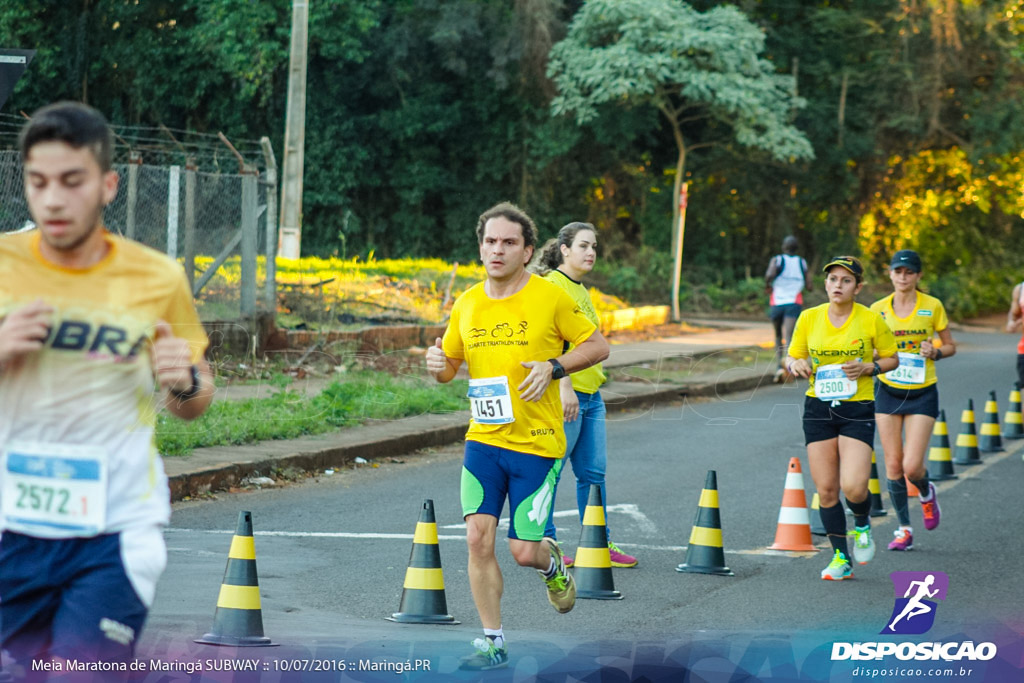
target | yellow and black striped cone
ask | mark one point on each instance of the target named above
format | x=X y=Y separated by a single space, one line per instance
x=875 y=491
x=817 y=528
x=1013 y=424
x=592 y=568
x=423 y=600
x=990 y=441
x=238 y=619
x=966 y=451
x=940 y=461
x=704 y=554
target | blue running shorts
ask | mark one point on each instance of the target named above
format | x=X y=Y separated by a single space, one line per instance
x=489 y=473
x=78 y=598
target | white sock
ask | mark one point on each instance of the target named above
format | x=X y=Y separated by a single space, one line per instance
x=496 y=635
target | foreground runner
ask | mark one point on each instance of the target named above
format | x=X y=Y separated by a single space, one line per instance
x=1013 y=323
x=510 y=331
x=908 y=397
x=91 y=325
x=564 y=261
x=840 y=339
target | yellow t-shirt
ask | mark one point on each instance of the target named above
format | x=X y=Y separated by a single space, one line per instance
x=927 y=319
x=863 y=331
x=588 y=380
x=92 y=383
x=495 y=336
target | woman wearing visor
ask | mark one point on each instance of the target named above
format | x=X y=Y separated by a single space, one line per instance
x=834 y=346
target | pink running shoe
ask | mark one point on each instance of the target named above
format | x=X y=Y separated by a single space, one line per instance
x=930 y=510
x=904 y=540
x=619 y=558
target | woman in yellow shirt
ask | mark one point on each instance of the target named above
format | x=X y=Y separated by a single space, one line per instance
x=834 y=345
x=564 y=261
x=907 y=399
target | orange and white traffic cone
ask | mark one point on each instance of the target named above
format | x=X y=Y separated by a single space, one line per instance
x=794 y=528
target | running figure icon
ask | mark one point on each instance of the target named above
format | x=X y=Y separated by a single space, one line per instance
x=915 y=606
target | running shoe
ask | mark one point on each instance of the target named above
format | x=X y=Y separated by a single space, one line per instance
x=561 y=587
x=930 y=510
x=838 y=569
x=904 y=540
x=780 y=376
x=486 y=657
x=565 y=558
x=863 y=544
x=619 y=558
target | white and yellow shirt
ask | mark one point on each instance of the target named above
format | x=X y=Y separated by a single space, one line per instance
x=588 y=380
x=92 y=385
x=495 y=336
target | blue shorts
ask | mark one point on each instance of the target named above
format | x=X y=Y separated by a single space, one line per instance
x=892 y=401
x=77 y=598
x=490 y=473
x=785 y=311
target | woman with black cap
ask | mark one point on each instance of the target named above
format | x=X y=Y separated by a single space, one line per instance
x=907 y=399
x=834 y=345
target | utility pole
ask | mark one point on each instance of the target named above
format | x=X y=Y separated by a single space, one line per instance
x=290 y=234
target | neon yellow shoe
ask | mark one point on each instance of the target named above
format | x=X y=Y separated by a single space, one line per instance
x=839 y=569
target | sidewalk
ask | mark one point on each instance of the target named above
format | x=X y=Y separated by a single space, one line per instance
x=211 y=469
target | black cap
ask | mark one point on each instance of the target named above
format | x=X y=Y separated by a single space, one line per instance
x=848 y=262
x=906 y=258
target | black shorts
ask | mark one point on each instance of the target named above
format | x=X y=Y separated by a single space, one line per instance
x=892 y=401
x=855 y=419
x=1020 y=370
x=785 y=311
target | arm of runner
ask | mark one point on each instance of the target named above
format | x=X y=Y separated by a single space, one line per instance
x=772 y=272
x=590 y=351
x=570 y=401
x=856 y=369
x=24 y=330
x=798 y=367
x=947 y=348
x=190 y=386
x=441 y=367
x=808 y=280
x=1013 y=318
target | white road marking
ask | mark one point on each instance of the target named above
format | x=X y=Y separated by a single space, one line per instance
x=647 y=527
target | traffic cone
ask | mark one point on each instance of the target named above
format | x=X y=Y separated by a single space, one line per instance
x=875 y=491
x=794 y=528
x=966 y=452
x=1013 y=424
x=592 y=567
x=238 y=619
x=990 y=439
x=423 y=600
x=817 y=527
x=704 y=554
x=940 y=462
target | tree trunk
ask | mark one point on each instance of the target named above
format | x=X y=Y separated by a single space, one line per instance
x=677 y=228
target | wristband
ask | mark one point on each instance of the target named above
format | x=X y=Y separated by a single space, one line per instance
x=938 y=354
x=192 y=390
x=878 y=368
x=557 y=371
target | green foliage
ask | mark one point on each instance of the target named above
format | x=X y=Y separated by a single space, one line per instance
x=288 y=414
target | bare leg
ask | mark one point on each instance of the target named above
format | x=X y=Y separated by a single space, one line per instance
x=485 y=579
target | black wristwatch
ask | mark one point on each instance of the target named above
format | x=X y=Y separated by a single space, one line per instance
x=558 y=372
x=192 y=390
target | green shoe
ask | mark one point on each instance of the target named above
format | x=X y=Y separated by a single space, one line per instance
x=838 y=569
x=486 y=657
x=561 y=587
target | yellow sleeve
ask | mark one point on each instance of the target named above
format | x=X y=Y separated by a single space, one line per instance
x=451 y=342
x=885 y=340
x=570 y=321
x=181 y=315
x=798 y=344
x=941 y=321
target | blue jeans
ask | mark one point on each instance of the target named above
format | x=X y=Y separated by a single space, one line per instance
x=586 y=449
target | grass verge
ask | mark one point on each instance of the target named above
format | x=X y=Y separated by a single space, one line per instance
x=289 y=414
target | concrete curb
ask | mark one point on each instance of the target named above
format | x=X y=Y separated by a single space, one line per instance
x=214 y=469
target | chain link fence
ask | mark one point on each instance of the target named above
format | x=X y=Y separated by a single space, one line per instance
x=220 y=226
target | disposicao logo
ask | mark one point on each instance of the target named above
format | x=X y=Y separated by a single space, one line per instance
x=916 y=596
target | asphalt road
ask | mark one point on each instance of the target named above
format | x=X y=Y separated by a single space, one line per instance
x=332 y=556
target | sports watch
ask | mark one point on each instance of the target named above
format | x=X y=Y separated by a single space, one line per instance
x=558 y=372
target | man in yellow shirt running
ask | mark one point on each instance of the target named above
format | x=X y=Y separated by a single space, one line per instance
x=510 y=330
